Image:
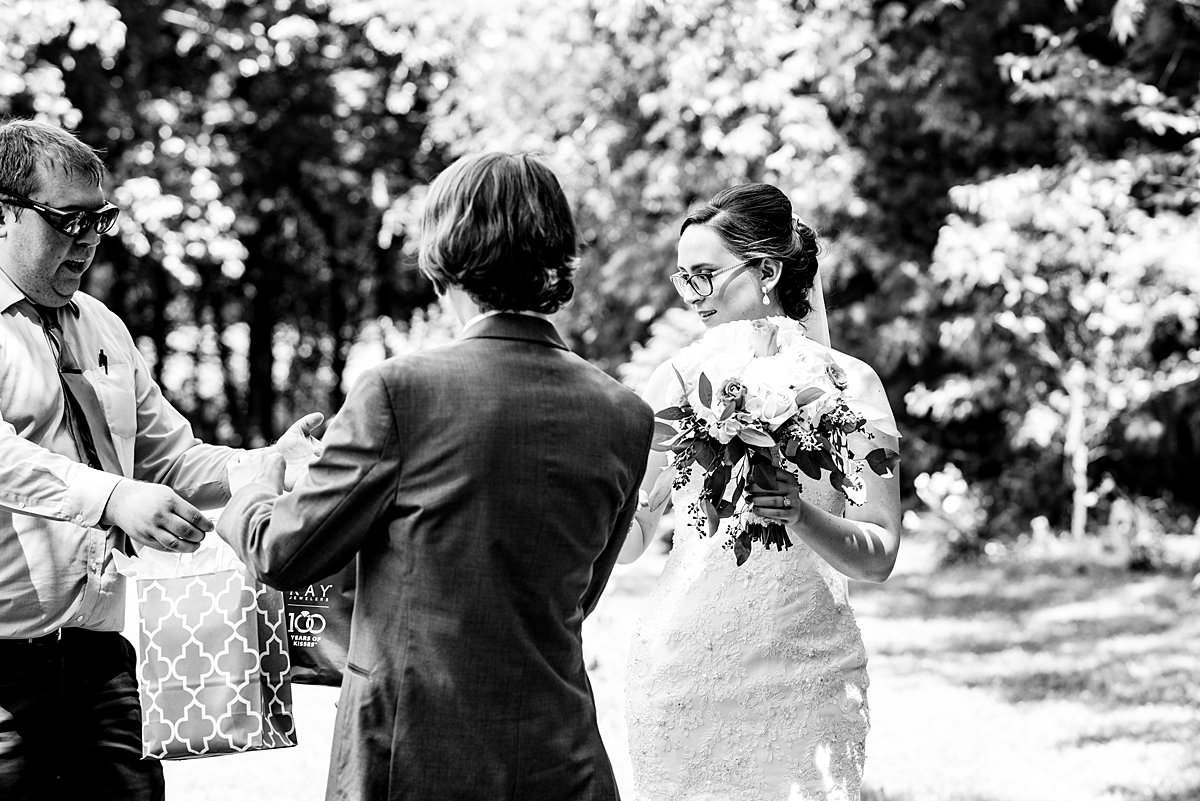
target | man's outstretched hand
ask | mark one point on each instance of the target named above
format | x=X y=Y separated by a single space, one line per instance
x=154 y=516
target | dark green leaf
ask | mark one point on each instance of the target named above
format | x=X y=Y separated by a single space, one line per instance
x=883 y=461
x=683 y=444
x=803 y=460
x=836 y=479
x=741 y=548
x=664 y=431
x=762 y=474
x=738 y=488
x=706 y=455
x=712 y=519
x=715 y=481
x=735 y=451
x=671 y=413
x=705 y=390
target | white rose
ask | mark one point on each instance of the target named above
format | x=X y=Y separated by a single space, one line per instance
x=771 y=406
x=813 y=411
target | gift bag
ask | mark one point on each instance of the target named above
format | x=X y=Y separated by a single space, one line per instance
x=212 y=657
x=318 y=624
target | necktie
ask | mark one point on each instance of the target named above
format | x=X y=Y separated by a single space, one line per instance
x=85 y=414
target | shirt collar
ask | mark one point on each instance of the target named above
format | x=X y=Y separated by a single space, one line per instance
x=479 y=318
x=519 y=326
x=11 y=295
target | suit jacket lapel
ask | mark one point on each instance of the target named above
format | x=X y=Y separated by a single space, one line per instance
x=521 y=327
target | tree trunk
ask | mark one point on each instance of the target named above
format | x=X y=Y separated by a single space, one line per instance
x=260 y=393
x=1075 y=447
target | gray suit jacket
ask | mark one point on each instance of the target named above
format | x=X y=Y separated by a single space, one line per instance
x=486 y=488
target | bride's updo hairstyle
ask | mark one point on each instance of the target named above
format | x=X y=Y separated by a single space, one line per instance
x=756 y=221
x=499 y=226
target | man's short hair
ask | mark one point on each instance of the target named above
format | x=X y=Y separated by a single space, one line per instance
x=499 y=226
x=30 y=150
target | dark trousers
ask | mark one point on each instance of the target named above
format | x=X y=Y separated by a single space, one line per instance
x=70 y=725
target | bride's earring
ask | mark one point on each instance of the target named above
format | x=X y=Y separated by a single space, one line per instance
x=766 y=296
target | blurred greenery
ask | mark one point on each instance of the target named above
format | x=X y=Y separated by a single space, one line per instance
x=1007 y=192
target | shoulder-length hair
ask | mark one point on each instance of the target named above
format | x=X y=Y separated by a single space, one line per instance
x=499 y=226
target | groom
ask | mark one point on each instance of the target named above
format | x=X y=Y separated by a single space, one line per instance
x=486 y=488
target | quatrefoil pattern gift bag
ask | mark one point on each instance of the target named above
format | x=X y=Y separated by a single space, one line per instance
x=212 y=666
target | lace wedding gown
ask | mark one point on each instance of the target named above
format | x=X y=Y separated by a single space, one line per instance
x=747 y=683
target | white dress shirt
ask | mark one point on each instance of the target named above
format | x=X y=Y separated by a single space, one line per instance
x=55 y=564
x=484 y=315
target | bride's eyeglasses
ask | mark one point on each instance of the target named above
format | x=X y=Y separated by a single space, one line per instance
x=701 y=283
x=72 y=223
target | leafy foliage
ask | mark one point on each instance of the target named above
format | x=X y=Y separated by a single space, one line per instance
x=1007 y=192
x=257 y=148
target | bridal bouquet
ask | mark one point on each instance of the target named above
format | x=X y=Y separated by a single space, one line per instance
x=755 y=394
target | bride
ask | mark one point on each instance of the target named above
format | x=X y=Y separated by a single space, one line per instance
x=748 y=681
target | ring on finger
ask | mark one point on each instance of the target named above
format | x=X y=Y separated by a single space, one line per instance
x=787 y=502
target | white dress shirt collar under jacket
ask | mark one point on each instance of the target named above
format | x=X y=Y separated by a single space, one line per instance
x=484 y=315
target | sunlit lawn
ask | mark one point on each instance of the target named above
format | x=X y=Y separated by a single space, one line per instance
x=1027 y=680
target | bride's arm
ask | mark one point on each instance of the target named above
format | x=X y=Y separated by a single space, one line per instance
x=864 y=543
x=645 y=520
x=661 y=391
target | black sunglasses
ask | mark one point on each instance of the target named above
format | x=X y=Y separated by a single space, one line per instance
x=72 y=223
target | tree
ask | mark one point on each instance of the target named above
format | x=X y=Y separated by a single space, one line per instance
x=644 y=108
x=256 y=148
x=1059 y=295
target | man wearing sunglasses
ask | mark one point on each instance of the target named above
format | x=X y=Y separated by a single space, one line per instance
x=92 y=459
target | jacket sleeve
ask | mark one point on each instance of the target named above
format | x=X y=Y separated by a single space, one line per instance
x=292 y=539
x=642 y=433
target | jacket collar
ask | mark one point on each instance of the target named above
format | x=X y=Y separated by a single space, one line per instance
x=515 y=325
x=11 y=295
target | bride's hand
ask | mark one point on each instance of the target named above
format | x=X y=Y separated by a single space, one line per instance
x=778 y=499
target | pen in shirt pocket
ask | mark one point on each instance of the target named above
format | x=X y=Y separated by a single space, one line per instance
x=103 y=361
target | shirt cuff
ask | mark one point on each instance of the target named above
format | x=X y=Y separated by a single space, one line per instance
x=90 y=491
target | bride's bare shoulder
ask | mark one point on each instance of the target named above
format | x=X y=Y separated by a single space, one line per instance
x=861 y=378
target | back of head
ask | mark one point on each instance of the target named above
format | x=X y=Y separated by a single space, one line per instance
x=31 y=151
x=498 y=226
x=756 y=221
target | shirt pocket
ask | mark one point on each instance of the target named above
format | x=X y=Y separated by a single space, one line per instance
x=115 y=389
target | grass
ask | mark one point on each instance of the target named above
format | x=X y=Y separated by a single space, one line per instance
x=1029 y=678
